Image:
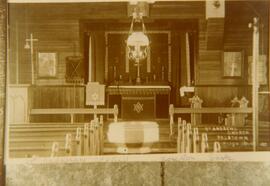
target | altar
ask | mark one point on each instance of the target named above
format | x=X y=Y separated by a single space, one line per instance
x=140 y=102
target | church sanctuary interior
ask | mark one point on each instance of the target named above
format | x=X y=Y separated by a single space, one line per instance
x=137 y=78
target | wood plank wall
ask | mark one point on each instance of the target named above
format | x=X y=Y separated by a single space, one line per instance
x=3 y=62
x=57 y=97
x=60 y=36
x=237 y=36
x=56 y=25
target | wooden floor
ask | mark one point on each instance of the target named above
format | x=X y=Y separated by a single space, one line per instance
x=35 y=139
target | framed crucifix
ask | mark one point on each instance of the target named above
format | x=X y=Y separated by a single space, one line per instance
x=232 y=64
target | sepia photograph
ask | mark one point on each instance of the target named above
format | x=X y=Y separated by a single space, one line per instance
x=127 y=92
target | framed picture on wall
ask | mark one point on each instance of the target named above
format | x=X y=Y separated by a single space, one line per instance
x=233 y=64
x=47 y=64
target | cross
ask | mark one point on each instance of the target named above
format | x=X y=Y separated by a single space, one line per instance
x=31 y=40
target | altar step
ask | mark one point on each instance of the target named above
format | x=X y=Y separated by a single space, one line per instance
x=36 y=138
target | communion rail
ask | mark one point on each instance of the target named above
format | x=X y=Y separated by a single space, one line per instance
x=73 y=111
x=188 y=140
x=89 y=140
x=209 y=110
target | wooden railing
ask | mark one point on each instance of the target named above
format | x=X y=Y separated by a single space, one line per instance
x=210 y=110
x=188 y=140
x=89 y=140
x=73 y=111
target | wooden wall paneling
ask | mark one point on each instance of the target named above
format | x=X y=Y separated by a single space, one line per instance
x=34 y=97
x=70 y=97
x=236 y=36
x=55 y=100
x=13 y=54
x=58 y=30
x=57 y=97
x=215 y=33
x=179 y=10
x=72 y=11
x=209 y=66
x=58 y=36
x=176 y=67
x=77 y=102
x=216 y=95
x=65 y=99
x=202 y=25
x=222 y=95
x=209 y=69
x=3 y=62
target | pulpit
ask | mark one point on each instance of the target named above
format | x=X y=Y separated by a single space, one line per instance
x=140 y=102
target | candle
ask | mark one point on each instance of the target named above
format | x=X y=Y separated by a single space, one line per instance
x=114 y=72
x=162 y=73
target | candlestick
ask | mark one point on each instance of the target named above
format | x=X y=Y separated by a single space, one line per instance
x=114 y=72
x=162 y=73
x=154 y=77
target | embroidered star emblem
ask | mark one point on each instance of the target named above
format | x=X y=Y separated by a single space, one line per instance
x=94 y=96
x=138 y=107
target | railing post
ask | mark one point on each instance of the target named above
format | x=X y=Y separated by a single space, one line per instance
x=55 y=149
x=195 y=140
x=101 y=138
x=232 y=116
x=78 y=141
x=86 y=139
x=188 y=138
x=171 y=113
x=91 y=139
x=204 y=143
x=68 y=144
x=217 y=147
x=115 y=107
x=96 y=142
x=183 y=143
x=179 y=135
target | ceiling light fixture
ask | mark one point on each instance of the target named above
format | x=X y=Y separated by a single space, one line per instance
x=137 y=42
